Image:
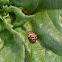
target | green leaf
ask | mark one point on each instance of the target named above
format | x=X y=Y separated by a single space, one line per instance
x=30 y=5
x=49 y=4
x=4 y=2
x=55 y=17
x=34 y=51
x=47 y=32
x=48 y=55
x=21 y=18
x=52 y=35
x=46 y=24
x=52 y=57
x=12 y=48
x=2 y=27
x=33 y=5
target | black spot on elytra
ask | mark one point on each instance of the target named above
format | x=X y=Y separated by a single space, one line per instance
x=33 y=39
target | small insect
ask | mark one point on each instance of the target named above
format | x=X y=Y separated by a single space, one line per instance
x=32 y=36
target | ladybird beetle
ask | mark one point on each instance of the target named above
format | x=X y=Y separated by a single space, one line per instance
x=32 y=36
